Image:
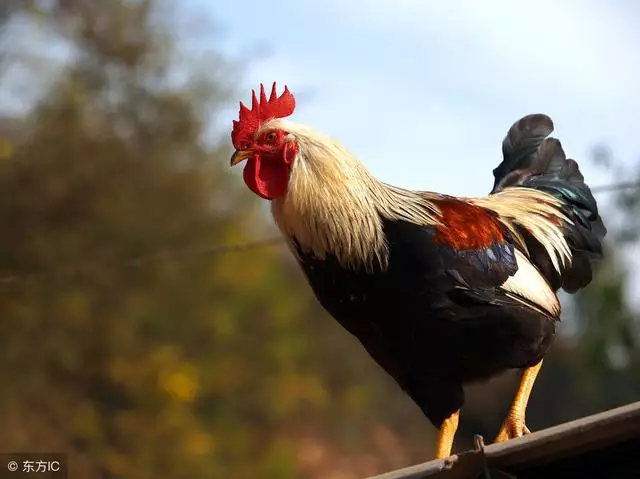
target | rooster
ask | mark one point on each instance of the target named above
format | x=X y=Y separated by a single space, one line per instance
x=441 y=291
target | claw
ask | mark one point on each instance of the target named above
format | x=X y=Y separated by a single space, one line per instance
x=512 y=428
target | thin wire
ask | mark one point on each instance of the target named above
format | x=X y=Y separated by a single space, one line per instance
x=615 y=187
x=147 y=259
x=214 y=250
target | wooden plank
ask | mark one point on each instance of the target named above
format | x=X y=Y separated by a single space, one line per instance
x=573 y=439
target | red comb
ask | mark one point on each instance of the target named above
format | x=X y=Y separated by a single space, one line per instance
x=250 y=119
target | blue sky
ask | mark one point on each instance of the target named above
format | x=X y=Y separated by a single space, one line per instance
x=424 y=91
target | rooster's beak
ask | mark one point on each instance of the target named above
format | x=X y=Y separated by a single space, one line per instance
x=239 y=156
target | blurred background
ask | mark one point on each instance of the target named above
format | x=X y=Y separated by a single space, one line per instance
x=150 y=325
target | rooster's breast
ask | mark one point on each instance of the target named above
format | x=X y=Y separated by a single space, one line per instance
x=407 y=318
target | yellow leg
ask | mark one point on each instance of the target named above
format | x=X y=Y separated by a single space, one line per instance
x=446 y=435
x=514 y=425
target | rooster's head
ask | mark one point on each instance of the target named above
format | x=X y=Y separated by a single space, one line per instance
x=266 y=144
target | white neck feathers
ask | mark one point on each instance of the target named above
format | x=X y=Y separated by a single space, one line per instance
x=334 y=206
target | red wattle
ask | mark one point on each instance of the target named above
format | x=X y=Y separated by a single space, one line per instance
x=266 y=178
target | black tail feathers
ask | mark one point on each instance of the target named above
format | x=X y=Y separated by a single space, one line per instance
x=532 y=160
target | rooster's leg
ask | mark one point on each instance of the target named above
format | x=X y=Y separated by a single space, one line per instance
x=446 y=435
x=514 y=425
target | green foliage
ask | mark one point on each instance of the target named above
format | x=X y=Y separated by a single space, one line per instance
x=186 y=363
x=140 y=369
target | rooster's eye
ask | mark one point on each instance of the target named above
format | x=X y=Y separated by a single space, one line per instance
x=270 y=137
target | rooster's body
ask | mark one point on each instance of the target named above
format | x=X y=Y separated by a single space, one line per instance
x=441 y=291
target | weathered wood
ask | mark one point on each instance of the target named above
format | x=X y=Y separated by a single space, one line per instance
x=605 y=445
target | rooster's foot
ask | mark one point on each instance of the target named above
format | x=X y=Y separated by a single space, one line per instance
x=512 y=428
